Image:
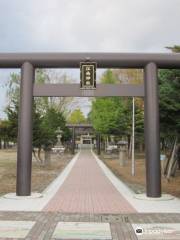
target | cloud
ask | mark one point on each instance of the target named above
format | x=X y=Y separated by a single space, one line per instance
x=82 y=25
x=87 y=26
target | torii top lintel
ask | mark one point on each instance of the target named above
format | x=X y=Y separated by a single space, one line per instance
x=104 y=60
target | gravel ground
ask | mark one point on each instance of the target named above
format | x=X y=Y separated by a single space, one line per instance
x=138 y=182
x=42 y=176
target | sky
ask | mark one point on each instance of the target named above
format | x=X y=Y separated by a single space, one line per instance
x=86 y=26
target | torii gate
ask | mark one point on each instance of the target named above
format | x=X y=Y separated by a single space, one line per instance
x=149 y=62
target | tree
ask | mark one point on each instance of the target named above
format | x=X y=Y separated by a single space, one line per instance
x=169 y=84
x=139 y=123
x=77 y=117
x=108 y=77
x=175 y=48
x=13 y=90
x=61 y=104
x=49 y=123
x=46 y=115
x=128 y=76
x=169 y=89
x=12 y=115
x=4 y=129
x=113 y=115
x=42 y=103
x=110 y=115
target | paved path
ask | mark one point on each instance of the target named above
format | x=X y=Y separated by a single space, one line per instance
x=120 y=225
x=88 y=190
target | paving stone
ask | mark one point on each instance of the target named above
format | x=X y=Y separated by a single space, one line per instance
x=15 y=229
x=45 y=222
x=81 y=230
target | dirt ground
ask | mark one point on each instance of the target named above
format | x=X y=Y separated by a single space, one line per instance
x=41 y=175
x=138 y=182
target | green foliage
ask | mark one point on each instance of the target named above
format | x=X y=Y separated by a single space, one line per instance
x=169 y=87
x=77 y=117
x=12 y=115
x=46 y=116
x=110 y=115
x=175 y=48
x=4 y=130
x=139 y=120
x=113 y=115
x=169 y=84
x=49 y=124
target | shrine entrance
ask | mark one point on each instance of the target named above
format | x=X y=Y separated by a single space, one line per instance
x=149 y=91
x=86 y=136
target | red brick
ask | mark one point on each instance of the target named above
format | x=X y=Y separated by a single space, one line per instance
x=88 y=190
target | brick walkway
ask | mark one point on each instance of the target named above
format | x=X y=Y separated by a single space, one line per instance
x=88 y=190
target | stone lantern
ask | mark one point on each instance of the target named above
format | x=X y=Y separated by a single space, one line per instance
x=59 y=136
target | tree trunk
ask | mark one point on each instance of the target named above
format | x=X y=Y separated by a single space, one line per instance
x=47 y=157
x=107 y=139
x=39 y=155
x=36 y=157
x=129 y=138
x=171 y=161
x=169 y=158
x=5 y=144
x=163 y=145
x=141 y=148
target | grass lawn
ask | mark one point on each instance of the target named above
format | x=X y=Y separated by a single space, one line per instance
x=138 y=182
x=41 y=175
